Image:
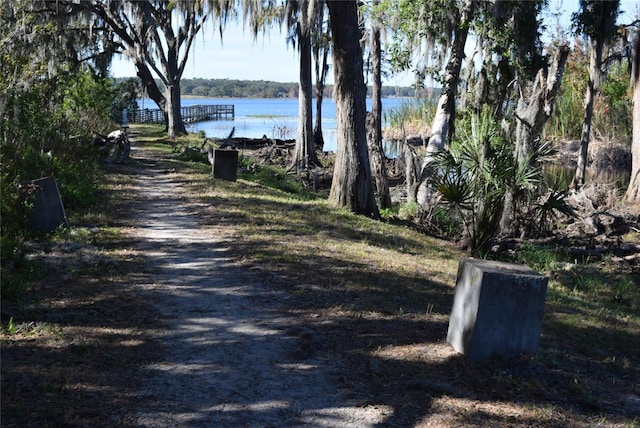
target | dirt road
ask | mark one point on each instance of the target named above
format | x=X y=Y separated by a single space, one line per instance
x=235 y=356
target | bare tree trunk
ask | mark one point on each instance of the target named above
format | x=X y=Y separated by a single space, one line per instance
x=412 y=167
x=633 y=191
x=321 y=74
x=351 y=186
x=376 y=151
x=595 y=59
x=378 y=167
x=305 y=154
x=442 y=126
x=532 y=114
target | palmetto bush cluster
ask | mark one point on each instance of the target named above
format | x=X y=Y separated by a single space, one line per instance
x=479 y=171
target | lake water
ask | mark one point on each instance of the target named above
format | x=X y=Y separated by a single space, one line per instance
x=275 y=118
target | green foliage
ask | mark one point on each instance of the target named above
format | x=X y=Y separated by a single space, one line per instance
x=473 y=176
x=566 y=121
x=596 y=19
x=408 y=211
x=612 y=110
x=46 y=131
x=11 y=327
x=422 y=23
x=411 y=111
x=479 y=171
x=85 y=100
x=223 y=88
x=126 y=97
x=540 y=258
x=513 y=31
x=272 y=177
x=549 y=207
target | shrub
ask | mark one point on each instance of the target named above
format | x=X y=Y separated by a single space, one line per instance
x=474 y=176
x=46 y=130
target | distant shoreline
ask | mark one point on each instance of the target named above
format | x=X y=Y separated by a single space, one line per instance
x=206 y=97
x=228 y=88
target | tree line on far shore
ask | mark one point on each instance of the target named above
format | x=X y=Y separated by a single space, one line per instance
x=233 y=88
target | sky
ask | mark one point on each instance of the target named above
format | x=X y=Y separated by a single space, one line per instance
x=240 y=56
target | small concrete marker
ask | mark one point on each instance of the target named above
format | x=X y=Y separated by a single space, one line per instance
x=225 y=164
x=497 y=309
x=47 y=212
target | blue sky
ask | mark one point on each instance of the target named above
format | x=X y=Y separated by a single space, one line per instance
x=269 y=57
x=240 y=56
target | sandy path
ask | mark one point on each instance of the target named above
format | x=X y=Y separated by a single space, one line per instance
x=235 y=356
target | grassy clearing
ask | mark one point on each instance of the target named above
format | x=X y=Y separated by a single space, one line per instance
x=377 y=296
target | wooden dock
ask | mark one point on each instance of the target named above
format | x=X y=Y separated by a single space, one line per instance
x=190 y=114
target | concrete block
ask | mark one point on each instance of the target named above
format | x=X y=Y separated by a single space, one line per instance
x=497 y=309
x=225 y=164
x=47 y=212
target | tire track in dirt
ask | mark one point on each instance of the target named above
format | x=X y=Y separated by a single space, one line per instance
x=234 y=356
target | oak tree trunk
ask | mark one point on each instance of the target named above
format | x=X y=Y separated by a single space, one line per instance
x=351 y=186
x=169 y=102
x=173 y=113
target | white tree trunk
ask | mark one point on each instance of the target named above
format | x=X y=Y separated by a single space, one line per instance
x=532 y=113
x=445 y=112
x=633 y=192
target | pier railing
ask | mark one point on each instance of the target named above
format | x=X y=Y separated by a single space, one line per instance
x=190 y=114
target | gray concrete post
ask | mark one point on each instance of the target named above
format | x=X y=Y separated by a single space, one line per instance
x=497 y=309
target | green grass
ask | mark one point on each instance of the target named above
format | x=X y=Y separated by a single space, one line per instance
x=411 y=111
